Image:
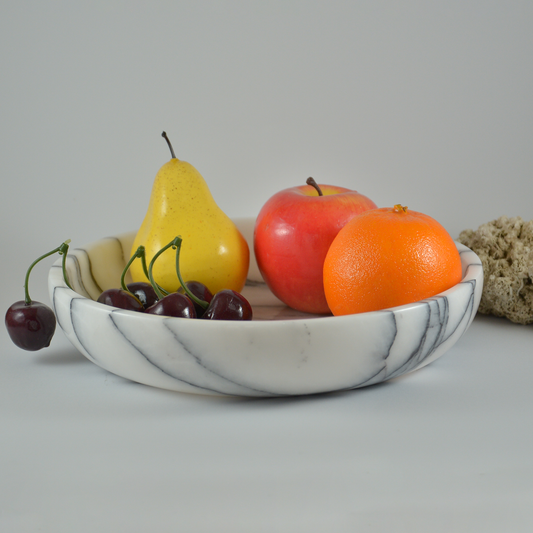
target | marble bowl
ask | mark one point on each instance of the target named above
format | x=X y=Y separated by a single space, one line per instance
x=280 y=353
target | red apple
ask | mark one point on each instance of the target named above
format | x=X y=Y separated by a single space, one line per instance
x=292 y=235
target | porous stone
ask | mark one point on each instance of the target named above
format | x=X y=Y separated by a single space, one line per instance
x=505 y=247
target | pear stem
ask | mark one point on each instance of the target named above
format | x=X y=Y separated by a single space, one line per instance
x=164 y=134
x=313 y=183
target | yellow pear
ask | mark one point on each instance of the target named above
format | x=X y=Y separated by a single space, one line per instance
x=213 y=250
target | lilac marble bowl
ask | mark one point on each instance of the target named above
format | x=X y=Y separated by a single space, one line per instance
x=280 y=353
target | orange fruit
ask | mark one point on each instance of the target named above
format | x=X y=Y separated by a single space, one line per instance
x=388 y=257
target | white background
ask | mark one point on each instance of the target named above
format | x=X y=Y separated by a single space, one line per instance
x=424 y=103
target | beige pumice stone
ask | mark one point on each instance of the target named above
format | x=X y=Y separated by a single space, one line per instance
x=505 y=247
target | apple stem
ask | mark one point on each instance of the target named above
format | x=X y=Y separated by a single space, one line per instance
x=313 y=183
x=164 y=134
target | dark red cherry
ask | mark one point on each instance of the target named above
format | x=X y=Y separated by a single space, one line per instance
x=144 y=292
x=199 y=290
x=120 y=298
x=174 y=304
x=228 y=305
x=30 y=326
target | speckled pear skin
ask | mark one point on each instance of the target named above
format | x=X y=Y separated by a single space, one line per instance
x=280 y=353
x=213 y=250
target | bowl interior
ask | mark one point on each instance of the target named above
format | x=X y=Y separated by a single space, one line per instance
x=99 y=265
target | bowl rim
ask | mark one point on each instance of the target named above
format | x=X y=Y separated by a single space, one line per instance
x=471 y=276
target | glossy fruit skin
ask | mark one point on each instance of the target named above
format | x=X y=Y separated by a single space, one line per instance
x=213 y=252
x=144 y=292
x=228 y=305
x=292 y=235
x=200 y=291
x=30 y=326
x=121 y=299
x=175 y=305
x=386 y=258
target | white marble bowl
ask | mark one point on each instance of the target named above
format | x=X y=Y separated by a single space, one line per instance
x=281 y=352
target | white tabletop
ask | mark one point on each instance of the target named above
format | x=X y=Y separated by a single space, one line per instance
x=446 y=448
x=427 y=104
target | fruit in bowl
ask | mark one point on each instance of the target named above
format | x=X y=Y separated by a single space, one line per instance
x=214 y=251
x=386 y=258
x=283 y=350
x=192 y=300
x=292 y=235
x=280 y=352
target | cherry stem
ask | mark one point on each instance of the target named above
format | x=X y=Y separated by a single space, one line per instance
x=174 y=243
x=195 y=299
x=313 y=183
x=157 y=288
x=164 y=134
x=62 y=250
x=138 y=253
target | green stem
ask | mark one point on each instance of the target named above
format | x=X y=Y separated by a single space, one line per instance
x=143 y=263
x=139 y=253
x=202 y=303
x=157 y=288
x=174 y=243
x=62 y=249
x=163 y=291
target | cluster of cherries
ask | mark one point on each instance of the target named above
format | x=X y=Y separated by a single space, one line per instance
x=192 y=300
x=31 y=324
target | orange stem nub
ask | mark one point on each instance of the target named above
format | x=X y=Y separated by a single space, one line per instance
x=400 y=208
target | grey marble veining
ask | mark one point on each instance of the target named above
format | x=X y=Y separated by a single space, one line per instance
x=281 y=352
